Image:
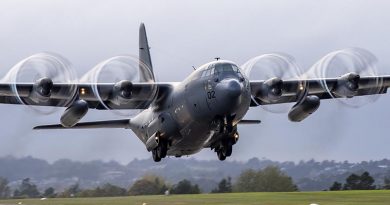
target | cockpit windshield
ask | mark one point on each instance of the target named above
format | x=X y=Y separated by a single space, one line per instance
x=226 y=67
x=215 y=69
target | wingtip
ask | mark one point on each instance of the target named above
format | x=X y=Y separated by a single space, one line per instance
x=37 y=128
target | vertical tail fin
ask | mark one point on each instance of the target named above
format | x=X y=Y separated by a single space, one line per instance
x=144 y=53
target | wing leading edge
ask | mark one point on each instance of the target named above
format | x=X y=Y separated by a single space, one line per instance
x=292 y=90
x=98 y=96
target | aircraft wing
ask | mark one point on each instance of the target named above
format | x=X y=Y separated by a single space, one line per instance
x=98 y=96
x=275 y=91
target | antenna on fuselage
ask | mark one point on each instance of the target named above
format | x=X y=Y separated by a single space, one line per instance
x=217 y=58
x=194 y=67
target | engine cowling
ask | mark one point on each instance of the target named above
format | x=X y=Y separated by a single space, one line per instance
x=347 y=85
x=41 y=90
x=303 y=109
x=271 y=90
x=122 y=92
x=73 y=114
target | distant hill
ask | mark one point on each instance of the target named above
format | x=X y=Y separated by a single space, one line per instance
x=308 y=175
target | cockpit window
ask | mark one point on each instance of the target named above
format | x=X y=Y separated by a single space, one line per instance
x=215 y=69
x=219 y=68
x=235 y=69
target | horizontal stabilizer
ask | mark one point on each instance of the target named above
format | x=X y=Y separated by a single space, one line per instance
x=249 y=122
x=87 y=125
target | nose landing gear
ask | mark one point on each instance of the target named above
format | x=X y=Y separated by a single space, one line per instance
x=228 y=136
x=225 y=147
x=160 y=151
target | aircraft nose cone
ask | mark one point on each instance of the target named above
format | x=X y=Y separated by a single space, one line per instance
x=233 y=88
x=228 y=95
x=228 y=91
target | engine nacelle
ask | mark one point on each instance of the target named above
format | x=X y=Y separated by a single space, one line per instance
x=73 y=114
x=122 y=92
x=347 y=85
x=41 y=90
x=271 y=90
x=303 y=109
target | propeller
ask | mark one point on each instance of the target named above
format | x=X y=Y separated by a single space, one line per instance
x=348 y=65
x=43 y=70
x=273 y=69
x=123 y=71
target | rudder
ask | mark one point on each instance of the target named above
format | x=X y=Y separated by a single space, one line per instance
x=144 y=53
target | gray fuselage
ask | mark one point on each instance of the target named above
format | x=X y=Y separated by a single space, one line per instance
x=188 y=115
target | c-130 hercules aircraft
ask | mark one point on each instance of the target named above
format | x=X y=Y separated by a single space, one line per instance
x=181 y=118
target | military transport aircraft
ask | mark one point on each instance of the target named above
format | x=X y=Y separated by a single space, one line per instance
x=176 y=118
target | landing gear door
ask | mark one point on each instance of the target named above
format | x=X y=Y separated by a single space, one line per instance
x=211 y=79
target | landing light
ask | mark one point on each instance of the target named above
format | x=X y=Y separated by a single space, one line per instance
x=82 y=91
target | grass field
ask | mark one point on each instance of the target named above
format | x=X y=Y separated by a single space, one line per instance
x=297 y=198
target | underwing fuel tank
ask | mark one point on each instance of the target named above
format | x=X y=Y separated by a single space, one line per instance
x=303 y=109
x=73 y=114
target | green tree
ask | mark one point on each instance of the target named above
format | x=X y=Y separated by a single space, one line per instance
x=185 y=187
x=148 y=185
x=144 y=187
x=270 y=179
x=352 y=182
x=367 y=182
x=336 y=186
x=27 y=190
x=246 y=182
x=362 y=182
x=224 y=186
x=49 y=192
x=4 y=189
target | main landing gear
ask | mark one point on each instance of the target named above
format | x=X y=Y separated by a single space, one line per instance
x=228 y=137
x=160 y=151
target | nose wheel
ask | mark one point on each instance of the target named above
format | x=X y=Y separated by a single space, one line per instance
x=224 y=147
x=225 y=151
x=160 y=151
x=221 y=156
x=228 y=137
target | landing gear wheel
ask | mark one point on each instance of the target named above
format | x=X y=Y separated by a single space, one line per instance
x=228 y=149
x=156 y=156
x=221 y=155
x=162 y=149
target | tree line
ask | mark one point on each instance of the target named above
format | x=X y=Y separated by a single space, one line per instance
x=147 y=185
x=268 y=179
x=360 y=182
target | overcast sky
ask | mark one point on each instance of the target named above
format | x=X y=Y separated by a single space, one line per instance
x=183 y=34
